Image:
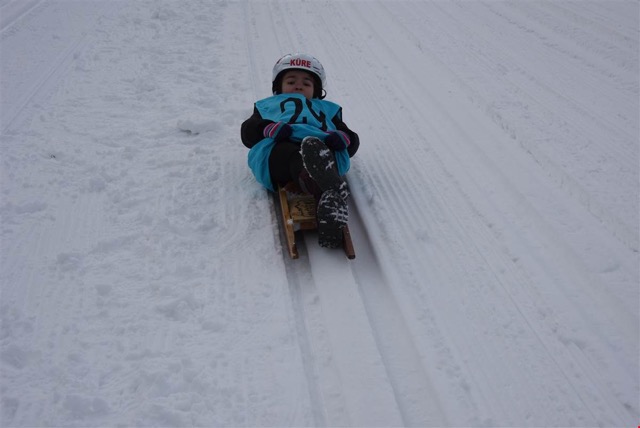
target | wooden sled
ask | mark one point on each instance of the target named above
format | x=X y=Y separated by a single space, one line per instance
x=299 y=213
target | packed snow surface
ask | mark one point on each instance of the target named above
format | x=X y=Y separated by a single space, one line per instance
x=494 y=215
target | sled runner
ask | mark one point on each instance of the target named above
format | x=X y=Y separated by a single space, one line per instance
x=298 y=212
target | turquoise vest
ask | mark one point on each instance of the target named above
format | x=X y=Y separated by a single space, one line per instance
x=306 y=117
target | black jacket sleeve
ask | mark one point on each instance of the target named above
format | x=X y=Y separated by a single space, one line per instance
x=353 y=137
x=252 y=129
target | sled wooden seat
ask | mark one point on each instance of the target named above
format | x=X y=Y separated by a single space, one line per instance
x=298 y=212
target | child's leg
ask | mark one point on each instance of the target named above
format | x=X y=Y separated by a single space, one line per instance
x=285 y=162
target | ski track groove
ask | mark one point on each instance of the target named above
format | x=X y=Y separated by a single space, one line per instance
x=457 y=214
x=311 y=337
x=549 y=105
x=587 y=279
x=415 y=395
x=296 y=274
x=577 y=191
x=400 y=194
x=311 y=356
x=334 y=415
x=51 y=73
x=404 y=192
x=480 y=156
x=47 y=82
x=612 y=28
x=10 y=14
x=379 y=309
x=435 y=215
x=613 y=99
x=619 y=52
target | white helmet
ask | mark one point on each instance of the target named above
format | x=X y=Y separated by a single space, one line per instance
x=299 y=61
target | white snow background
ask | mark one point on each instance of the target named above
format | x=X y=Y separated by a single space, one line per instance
x=494 y=214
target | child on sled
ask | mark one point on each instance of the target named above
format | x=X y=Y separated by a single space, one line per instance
x=296 y=135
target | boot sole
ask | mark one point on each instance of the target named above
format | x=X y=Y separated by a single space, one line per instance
x=332 y=215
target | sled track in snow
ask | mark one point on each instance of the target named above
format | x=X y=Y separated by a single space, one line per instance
x=333 y=350
x=415 y=395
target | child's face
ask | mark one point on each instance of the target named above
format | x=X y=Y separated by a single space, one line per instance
x=298 y=82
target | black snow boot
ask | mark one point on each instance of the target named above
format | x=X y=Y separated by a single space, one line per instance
x=332 y=215
x=321 y=165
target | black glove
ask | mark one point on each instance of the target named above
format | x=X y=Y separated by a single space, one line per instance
x=337 y=140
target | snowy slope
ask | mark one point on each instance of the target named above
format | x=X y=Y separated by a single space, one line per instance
x=494 y=214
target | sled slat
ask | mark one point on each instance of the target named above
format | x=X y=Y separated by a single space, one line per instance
x=287 y=224
x=347 y=243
